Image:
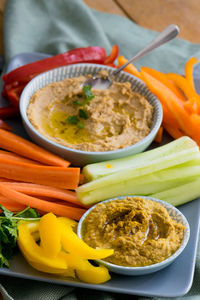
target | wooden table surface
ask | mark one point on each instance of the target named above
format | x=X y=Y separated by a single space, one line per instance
x=154 y=14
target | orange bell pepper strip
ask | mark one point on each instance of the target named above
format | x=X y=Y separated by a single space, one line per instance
x=192 y=105
x=173 y=103
x=168 y=118
x=186 y=87
x=173 y=131
x=165 y=80
x=189 y=70
x=182 y=83
x=130 y=68
x=159 y=135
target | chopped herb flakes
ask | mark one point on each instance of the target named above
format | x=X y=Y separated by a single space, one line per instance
x=72 y=120
x=82 y=112
x=88 y=92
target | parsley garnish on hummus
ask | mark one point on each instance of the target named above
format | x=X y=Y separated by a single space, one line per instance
x=82 y=113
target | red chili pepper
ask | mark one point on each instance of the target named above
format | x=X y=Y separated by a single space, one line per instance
x=113 y=55
x=79 y=55
x=8 y=112
x=5 y=126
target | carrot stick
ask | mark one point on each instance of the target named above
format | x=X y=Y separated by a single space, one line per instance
x=58 y=209
x=16 y=157
x=130 y=68
x=159 y=135
x=5 y=126
x=7 y=203
x=165 y=80
x=6 y=180
x=53 y=176
x=11 y=142
x=189 y=71
x=44 y=191
x=62 y=202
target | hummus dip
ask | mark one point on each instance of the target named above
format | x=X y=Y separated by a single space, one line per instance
x=116 y=117
x=140 y=231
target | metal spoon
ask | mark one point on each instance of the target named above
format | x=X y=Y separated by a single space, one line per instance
x=165 y=36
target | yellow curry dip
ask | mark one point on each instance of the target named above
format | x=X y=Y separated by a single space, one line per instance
x=140 y=231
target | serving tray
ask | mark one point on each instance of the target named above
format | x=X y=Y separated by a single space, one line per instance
x=173 y=281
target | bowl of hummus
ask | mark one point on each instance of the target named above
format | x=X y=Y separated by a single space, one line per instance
x=87 y=125
x=147 y=234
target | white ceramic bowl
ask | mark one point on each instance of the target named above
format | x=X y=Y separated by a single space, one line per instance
x=78 y=157
x=175 y=215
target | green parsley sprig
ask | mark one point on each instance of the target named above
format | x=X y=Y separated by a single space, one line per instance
x=9 y=231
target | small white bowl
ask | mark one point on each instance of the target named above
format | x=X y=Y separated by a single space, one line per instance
x=175 y=215
x=78 y=157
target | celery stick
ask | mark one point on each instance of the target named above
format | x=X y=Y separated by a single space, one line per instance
x=180 y=194
x=145 y=185
x=144 y=168
x=126 y=188
x=97 y=170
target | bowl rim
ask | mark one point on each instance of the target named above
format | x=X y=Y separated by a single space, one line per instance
x=23 y=104
x=158 y=265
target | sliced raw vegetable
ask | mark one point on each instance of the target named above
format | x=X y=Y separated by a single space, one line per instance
x=5 y=126
x=147 y=184
x=12 y=142
x=189 y=70
x=97 y=170
x=174 y=105
x=44 y=246
x=130 y=68
x=42 y=191
x=175 y=164
x=110 y=59
x=8 y=112
x=180 y=194
x=50 y=235
x=43 y=205
x=78 y=55
x=73 y=244
x=59 y=177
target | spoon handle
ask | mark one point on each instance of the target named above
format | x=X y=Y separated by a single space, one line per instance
x=166 y=35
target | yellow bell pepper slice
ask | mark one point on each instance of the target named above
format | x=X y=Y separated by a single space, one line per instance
x=68 y=272
x=32 y=251
x=50 y=235
x=73 y=244
x=92 y=274
x=74 y=260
